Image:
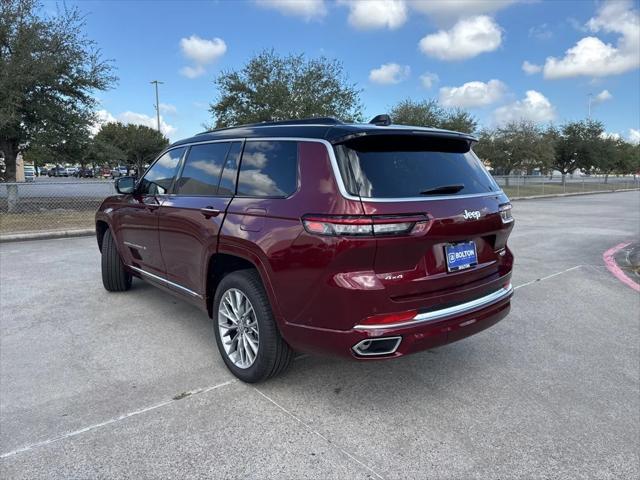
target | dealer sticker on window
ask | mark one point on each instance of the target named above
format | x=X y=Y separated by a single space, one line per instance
x=460 y=256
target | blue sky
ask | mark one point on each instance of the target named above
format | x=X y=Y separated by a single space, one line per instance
x=467 y=53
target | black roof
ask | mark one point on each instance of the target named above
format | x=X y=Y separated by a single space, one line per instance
x=326 y=128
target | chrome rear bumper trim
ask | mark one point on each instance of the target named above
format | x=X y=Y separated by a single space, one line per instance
x=459 y=309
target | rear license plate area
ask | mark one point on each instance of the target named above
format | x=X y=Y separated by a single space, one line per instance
x=460 y=256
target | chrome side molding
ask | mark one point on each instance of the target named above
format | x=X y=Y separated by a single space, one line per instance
x=165 y=281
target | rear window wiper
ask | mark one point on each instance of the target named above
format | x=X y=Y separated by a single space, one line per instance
x=443 y=189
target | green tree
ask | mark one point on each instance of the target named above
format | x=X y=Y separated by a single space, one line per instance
x=271 y=87
x=628 y=159
x=136 y=144
x=69 y=145
x=576 y=145
x=429 y=113
x=48 y=73
x=519 y=145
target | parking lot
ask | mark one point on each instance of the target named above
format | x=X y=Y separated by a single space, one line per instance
x=99 y=385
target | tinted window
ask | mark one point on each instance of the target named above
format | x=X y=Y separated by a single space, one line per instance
x=268 y=169
x=227 y=185
x=158 y=178
x=393 y=167
x=202 y=168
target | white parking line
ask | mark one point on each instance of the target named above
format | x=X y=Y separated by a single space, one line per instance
x=114 y=420
x=305 y=425
x=547 y=277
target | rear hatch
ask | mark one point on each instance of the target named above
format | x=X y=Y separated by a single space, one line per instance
x=461 y=213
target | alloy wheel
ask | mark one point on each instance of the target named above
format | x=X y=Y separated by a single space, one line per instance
x=238 y=328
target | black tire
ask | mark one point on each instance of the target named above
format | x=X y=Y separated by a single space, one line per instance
x=274 y=355
x=114 y=276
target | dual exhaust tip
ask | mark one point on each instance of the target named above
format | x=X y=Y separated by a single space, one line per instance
x=372 y=347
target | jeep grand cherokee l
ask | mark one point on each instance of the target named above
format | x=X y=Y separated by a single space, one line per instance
x=368 y=241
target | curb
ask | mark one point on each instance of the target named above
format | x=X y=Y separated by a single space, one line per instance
x=20 y=237
x=615 y=269
x=573 y=194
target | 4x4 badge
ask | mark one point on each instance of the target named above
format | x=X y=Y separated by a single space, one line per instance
x=468 y=215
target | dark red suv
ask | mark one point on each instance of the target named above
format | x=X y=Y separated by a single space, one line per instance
x=368 y=241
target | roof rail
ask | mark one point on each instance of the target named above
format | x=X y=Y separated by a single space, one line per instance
x=301 y=121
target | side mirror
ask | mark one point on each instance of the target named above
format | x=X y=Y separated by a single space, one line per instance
x=125 y=185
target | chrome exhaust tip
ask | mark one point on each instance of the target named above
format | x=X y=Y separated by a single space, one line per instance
x=371 y=347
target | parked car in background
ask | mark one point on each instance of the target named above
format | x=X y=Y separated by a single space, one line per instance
x=71 y=171
x=369 y=241
x=29 y=173
x=119 y=171
x=58 y=172
x=42 y=171
x=84 y=173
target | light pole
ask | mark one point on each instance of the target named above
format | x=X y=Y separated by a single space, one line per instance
x=156 y=82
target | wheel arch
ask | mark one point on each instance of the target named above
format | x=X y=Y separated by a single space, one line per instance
x=101 y=229
x=231 y=259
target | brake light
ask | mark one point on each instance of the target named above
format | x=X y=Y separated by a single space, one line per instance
x=364 y=225
x=505 y=213
x=389 y=318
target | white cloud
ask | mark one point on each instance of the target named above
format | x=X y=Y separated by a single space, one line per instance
x=308 y=10
x=103 y=117
x=541 y=32
x=467 y=38
x=473 y=94
x=449 y=10
x=202 y=52
x=531 y=68
x=603 y=96
x=192 y=72
x=142 y=119
x=534 y=107
x=428 y=79
x=590 y=56
x=168 y=109
x=611 y=135
x=634 y=136
x=371 y=14
x=389 y=73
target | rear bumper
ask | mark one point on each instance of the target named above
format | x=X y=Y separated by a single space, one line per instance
x=426 y=330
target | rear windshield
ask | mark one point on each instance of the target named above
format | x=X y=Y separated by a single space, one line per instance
x=389 y=166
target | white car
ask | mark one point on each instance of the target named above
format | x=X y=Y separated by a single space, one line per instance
x=29 y=173
x=71 y=171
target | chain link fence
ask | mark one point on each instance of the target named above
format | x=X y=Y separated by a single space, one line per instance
x=61 y=204
x=534 y=185
x=55 y=204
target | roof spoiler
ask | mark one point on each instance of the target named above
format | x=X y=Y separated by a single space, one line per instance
x=383 y=120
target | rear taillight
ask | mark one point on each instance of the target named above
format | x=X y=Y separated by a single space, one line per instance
x=364 y=225
x=505 y=213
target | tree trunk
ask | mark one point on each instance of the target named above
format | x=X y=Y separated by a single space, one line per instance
x=606 y=178
x=10 y=151
x=564 y=178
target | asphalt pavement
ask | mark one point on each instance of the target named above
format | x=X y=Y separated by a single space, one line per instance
x=130 y=385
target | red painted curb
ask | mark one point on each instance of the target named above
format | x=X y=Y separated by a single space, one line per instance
x=613 y=267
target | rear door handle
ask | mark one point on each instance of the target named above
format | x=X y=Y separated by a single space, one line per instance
x=210 y=212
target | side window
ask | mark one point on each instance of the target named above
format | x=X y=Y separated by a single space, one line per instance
x=268 y=169
x=227 y=185
x=202 y=168
x=158 y=178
